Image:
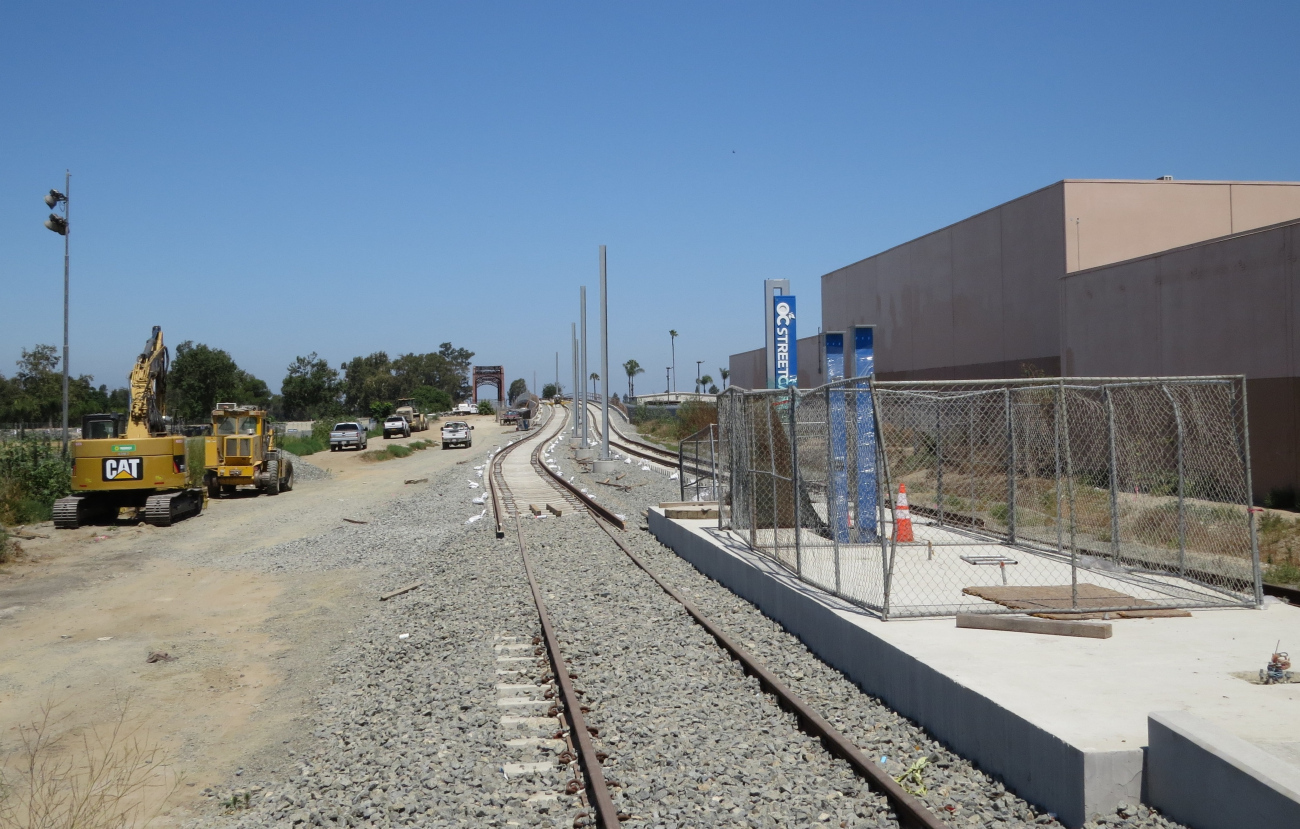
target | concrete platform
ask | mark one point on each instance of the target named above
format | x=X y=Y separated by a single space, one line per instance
x=1062 y=721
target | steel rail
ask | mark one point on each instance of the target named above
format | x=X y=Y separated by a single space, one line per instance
x=494 y=469
x=635 y=447
x=591 y=504
x=910 y=811
x=1281 y=591
x=597 y=788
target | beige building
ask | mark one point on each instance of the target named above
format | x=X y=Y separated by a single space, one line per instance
x=996 y=295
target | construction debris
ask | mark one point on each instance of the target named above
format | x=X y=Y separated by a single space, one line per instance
x=399 y=591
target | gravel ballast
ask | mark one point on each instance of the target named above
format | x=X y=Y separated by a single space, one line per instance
x=414 y=728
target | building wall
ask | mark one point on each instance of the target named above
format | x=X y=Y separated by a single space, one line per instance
x=1120 y=220
x=967 y=299
x=811 y=371
x=1227 y=306
x=979 y=298
x=748 y=369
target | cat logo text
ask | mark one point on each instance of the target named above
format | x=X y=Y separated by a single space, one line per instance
x=123 y=469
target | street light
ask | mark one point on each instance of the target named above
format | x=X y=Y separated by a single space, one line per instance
x=698 y=363
x=59 y=224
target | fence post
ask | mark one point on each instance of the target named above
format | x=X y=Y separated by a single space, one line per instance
x=794 y=478
x=1243 y=447
x=938 y=454
x=681 y=471
x=832 y=515
x=1069 y=490
x=1182 y=504
x=1011 y=469
x=888 y=546
x=1114 y=473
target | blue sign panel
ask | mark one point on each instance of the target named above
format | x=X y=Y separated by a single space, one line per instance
x=839 y=483
x=864 y=363
x=787 y=358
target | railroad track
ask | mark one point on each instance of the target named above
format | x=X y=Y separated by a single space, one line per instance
x=909 y=811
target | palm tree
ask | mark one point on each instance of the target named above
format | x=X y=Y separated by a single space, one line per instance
x=633 y=368
x=724 y=373
x=594 y=378
x=672 y=337
x=705 y=382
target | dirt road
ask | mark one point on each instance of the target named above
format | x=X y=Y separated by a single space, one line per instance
x=82 y=610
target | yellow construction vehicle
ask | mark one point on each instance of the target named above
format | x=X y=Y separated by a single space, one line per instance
x=406 y=408
x=131 y=463
x=242 y=451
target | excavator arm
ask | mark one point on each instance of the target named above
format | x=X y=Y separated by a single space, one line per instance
x=149 y=389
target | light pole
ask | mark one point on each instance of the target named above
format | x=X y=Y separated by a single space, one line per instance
x=698 y=363
x=604 y=364
x=59 y=224
x=668 y=379
x=672 y=337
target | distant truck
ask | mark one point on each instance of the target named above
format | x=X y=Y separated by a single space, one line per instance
x=396 y=426
x=456 y=433
x=344 y=435
x=465 y=409
x=406 y=408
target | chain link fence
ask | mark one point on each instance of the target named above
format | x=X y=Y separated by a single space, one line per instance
x=698 y=457
x=1074 y=497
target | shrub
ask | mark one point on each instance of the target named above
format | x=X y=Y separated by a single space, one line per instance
x=33 y=474
x=485 y=408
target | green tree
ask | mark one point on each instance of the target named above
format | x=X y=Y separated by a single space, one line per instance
x=704 y=383
x=633 y=368
x=310 y=389
x=380 y=409
x=517 y=388
x=485 y=407
x=202 y=376
x=35 y=393
x=429 y=399
x=550 y=390
x=724 y=373
x=594 y=377
x=377 y=377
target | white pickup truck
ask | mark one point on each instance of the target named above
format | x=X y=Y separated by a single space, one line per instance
x=456 y=433
x=344 y=435
x=465 y=409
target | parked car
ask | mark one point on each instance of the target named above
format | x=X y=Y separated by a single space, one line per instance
x=344 y=435
x=456 y=433
x=396 y=426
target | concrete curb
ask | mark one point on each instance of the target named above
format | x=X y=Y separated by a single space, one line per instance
x=1201 y=775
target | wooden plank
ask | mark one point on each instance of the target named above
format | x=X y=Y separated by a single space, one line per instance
x=1029 y=624
x=668 y=504
x=534 y=509
x=558 y=512
x=691 y=513
x=399 y=591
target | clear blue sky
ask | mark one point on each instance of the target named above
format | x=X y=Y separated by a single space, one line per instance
x=281 y=178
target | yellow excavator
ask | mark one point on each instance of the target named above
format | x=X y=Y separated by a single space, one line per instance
x=131 y=463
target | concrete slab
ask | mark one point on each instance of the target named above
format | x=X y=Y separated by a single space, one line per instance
x=1062 y=721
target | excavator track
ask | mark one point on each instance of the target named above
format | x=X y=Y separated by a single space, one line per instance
x=67 y=512
x=165 y=509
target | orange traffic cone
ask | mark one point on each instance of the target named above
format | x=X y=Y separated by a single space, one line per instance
x=902 y=517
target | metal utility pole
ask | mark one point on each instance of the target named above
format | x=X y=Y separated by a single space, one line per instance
x=573 y=347
x=604 y=362
x=668 y=379
x=698 y=363
x=62 y=226
x=582 y=359
x=557 y=373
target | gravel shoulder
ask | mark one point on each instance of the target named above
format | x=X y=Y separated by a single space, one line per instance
x=252 y=599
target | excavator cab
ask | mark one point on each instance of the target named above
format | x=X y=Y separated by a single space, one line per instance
x=107 y=426
x=243 y=451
